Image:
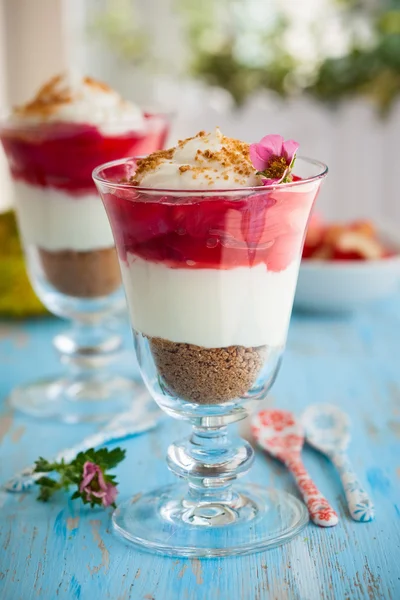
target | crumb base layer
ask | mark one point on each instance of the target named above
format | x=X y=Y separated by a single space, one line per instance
x=89 y=274
x=206 y=375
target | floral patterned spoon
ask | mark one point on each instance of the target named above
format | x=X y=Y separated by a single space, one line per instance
x=328 y=430
x=278 y=432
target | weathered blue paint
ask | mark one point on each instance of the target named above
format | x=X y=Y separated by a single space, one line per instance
x=66 y=551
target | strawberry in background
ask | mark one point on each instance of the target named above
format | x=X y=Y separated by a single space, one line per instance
x=356 y=240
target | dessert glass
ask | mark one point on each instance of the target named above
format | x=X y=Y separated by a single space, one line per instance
x=209 y=278
x=71 y=258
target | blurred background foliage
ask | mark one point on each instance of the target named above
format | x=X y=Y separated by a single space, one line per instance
x=373 y=71
x=119 y=26
x=17 y=298
x=340 y=49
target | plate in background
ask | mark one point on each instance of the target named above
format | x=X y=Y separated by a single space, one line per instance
x=342 y=286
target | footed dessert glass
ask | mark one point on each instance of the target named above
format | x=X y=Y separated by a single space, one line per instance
x=71 y=258
x=209 y=278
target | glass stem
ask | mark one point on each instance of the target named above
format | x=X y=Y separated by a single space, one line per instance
x=210 y=460
x=88 y=345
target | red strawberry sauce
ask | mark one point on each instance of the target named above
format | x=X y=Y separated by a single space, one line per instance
x=63 y=155
x=218 y=233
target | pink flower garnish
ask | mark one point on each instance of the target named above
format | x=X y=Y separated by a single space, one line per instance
x=274 y=158
x=93 y=484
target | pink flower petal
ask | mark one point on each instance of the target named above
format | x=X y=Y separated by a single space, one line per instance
x=99 y=494
x=90 y=468
x=274 y=143
x=111 y=495
x=260 y=156
x=290 y=148
x=84 y=483
x=100 y=479
x=89 y=472
x=268 y=147
x=270 y=181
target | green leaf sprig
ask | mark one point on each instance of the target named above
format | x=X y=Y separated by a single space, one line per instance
x=87 y=472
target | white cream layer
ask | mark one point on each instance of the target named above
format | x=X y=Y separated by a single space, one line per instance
x=212 y=308
x=55 y=220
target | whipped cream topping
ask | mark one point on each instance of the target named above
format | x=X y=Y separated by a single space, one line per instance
x=72 y=98
x=205 y=161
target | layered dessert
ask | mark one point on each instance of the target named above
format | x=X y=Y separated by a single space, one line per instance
x=209 y=259
x=52 y=144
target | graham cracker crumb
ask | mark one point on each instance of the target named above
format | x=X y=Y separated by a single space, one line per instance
x=82 y=274
x=150 y=163
x=53 y=94
x=206 y=375
x=233 y=155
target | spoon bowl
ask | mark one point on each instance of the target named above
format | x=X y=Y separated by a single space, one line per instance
x=278 y=432
x=327 y=427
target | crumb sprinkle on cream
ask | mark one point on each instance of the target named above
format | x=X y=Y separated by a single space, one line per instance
x=211 y=158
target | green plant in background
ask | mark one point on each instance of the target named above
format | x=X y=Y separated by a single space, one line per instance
x=217 y=35
x=118 y=25
x=373 y=72
x=242 y=46
x=17 y=298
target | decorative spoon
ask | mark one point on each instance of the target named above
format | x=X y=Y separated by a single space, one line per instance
x=278 y=432
x=121 y=426
x=327 y=428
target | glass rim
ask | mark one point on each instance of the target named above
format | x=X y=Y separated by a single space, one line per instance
x=204 y=192
x=10 y=122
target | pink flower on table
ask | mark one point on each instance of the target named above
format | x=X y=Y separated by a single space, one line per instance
x=273 y=157
x=94 y=485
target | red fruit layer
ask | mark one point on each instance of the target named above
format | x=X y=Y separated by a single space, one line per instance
x=63 y=155
x=221 y=232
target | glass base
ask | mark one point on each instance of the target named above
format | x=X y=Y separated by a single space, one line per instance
x=94 y=399
x=165 y=521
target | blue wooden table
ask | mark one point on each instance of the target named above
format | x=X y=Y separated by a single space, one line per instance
x=63 y=550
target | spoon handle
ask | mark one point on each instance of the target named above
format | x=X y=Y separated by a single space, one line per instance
x=360 y=505
x=320 y=510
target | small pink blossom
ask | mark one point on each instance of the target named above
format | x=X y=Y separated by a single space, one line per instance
x=94 y=485
x=273 y=157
